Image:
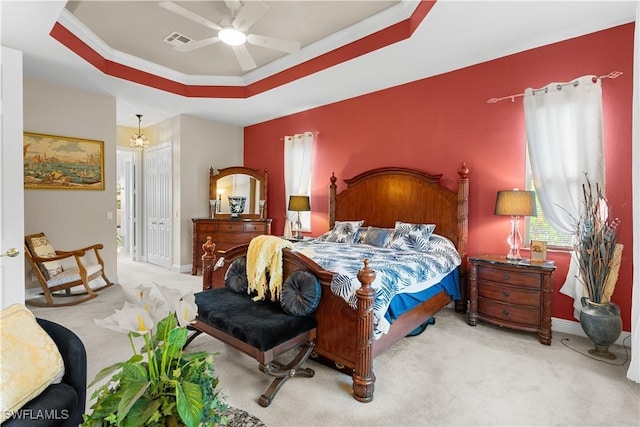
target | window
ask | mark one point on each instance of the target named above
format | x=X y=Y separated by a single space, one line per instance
x=537 y=227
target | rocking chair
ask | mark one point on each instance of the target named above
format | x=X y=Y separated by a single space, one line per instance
x=56 y=276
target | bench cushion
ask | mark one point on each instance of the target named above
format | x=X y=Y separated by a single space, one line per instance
x=261 y=324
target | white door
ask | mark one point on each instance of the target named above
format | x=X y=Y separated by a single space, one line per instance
x=158 y=207
x=130 y=231
x=11 y=191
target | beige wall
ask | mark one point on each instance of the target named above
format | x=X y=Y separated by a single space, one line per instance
x=73 y=218
x=201 y=144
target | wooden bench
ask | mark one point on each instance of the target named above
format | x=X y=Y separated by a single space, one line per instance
x=260 y=329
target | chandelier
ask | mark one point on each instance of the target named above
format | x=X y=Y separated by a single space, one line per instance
x=139 y=140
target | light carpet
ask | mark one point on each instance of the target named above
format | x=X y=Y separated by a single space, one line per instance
x=451 y=375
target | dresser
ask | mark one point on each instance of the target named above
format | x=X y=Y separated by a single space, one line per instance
x=511 y=294
x=225 y=233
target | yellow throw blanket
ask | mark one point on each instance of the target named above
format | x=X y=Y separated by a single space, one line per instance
x=265 y=255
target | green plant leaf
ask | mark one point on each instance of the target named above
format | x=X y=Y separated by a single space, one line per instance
x=130 y=395
x=165 y=326
x=189 y=402
x=109 y=369
x=142 y=410
x=175 y=342
x=133 y=373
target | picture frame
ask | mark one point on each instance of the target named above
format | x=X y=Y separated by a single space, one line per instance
x=538 y=251
x=53 y=162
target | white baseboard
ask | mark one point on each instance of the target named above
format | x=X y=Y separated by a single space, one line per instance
x=573 y=328
x=185 y=268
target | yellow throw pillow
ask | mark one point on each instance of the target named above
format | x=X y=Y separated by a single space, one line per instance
x=43 y=249
x=29 y=360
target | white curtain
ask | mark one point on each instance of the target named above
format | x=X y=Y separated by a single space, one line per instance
x=634 y=367
x=298 y=153
x=565 y=140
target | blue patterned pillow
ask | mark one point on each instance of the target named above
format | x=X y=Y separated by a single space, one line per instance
x=414 y=237
x=344 y=232
x=377 y=237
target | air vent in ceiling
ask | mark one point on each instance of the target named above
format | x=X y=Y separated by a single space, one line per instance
x=177 y=39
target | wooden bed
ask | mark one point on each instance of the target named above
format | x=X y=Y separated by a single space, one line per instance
x=379 y=197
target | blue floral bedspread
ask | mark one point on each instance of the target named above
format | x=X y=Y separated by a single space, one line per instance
x=397 y=271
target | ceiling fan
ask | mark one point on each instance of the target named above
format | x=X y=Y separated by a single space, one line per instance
x=243 y=16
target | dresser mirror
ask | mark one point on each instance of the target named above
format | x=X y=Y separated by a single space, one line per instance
x=238 y=192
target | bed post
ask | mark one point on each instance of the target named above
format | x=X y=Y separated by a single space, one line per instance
x=363 y=377
x=463 y=233
x=208 y=261
x=332 y=200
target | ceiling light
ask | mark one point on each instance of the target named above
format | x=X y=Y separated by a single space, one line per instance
x=231 y=36
x=139 y=140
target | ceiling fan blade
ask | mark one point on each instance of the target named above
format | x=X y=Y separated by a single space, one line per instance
x=170 y=6
x=249 y=14
x=244 y=57
x=288 y=46
x=197 y=44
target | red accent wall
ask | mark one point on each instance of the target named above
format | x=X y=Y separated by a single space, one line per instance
x=435 y=123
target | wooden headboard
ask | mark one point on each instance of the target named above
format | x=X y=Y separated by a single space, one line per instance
x=383 y=196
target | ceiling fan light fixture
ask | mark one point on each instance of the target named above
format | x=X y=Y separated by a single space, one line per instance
x=231 y=36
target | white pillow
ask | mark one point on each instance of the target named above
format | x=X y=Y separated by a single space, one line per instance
x=31 y=360
x=344 y=231
x=409 y=236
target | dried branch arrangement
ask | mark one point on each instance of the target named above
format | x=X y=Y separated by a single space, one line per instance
x=596 y=246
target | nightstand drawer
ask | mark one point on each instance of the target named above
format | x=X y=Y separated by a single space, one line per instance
x=509 y=313
x=509 y=294
x=531 y=280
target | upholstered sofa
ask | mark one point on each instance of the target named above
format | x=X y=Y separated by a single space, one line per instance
x=59 y=403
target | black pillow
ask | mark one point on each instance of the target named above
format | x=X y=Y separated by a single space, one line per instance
x=236 y=277
x=300 y=294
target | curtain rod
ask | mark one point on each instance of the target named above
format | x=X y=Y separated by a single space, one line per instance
x=611 y=75
x=315 y=133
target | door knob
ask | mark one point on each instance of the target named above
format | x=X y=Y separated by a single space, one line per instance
x=11 y=253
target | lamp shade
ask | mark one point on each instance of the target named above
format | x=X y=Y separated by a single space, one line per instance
x=515 y=203
x=299 y=203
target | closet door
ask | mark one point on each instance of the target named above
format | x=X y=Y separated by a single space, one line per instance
x=158 y=207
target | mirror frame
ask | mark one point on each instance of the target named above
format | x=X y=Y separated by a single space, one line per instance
x=260 y=176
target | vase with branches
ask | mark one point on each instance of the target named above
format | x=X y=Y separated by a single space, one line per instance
x=598 y=254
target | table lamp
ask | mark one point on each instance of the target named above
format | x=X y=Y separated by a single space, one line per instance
x=299 y=204
x=515 y=203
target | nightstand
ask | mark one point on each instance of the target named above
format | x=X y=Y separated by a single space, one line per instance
x=511 y=294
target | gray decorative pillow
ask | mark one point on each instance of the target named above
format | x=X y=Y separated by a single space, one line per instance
x=344 y=231
x=377 y=237
x=413 y=237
